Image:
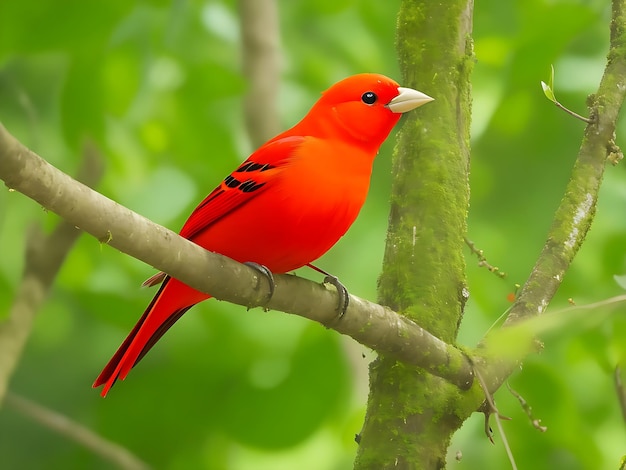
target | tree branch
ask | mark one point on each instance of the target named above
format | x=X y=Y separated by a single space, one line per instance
x=370 y=324
x=577 y=208
x=44 y=257
x=261 y=66
x=61 y=424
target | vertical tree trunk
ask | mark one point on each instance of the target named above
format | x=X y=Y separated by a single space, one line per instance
x=412 y=415
x=260 y=37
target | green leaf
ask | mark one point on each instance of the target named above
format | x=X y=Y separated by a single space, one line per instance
x=549 y=87
x=621 y=280
x=548 y=91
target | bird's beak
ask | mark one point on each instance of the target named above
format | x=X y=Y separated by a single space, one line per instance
x=407 y=100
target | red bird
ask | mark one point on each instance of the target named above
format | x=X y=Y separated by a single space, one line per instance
x=287 y=204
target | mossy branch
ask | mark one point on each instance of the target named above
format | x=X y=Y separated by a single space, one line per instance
x=576 y=211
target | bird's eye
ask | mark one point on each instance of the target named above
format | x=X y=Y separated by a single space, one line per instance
x=369 y=97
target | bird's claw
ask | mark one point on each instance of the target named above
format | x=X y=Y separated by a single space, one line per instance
x=342 y=292
x=264 y=270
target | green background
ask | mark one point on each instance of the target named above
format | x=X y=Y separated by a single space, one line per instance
x=159 y=87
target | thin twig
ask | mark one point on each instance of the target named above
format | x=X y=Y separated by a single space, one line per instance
x=572 y=113
x=76 y=432
x=505 y=442
x=482 y=260
x=548 y=90
x=492 y=410
x=527 y=409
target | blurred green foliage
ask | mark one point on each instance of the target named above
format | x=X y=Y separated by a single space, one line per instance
x=158 y=85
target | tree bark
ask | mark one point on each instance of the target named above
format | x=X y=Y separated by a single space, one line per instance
x=260 y=35
x=410 y=420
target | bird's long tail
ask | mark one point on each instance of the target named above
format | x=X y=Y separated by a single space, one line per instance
x=171 y=301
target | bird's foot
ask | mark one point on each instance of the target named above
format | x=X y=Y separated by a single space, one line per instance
x=264 y=270
x=342 y=292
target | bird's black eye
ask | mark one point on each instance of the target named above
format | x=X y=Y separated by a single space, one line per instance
x=369 y=97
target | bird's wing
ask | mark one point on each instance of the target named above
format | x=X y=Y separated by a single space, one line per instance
x=246 y=182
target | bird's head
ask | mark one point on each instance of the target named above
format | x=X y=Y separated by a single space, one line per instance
x=365 y=107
